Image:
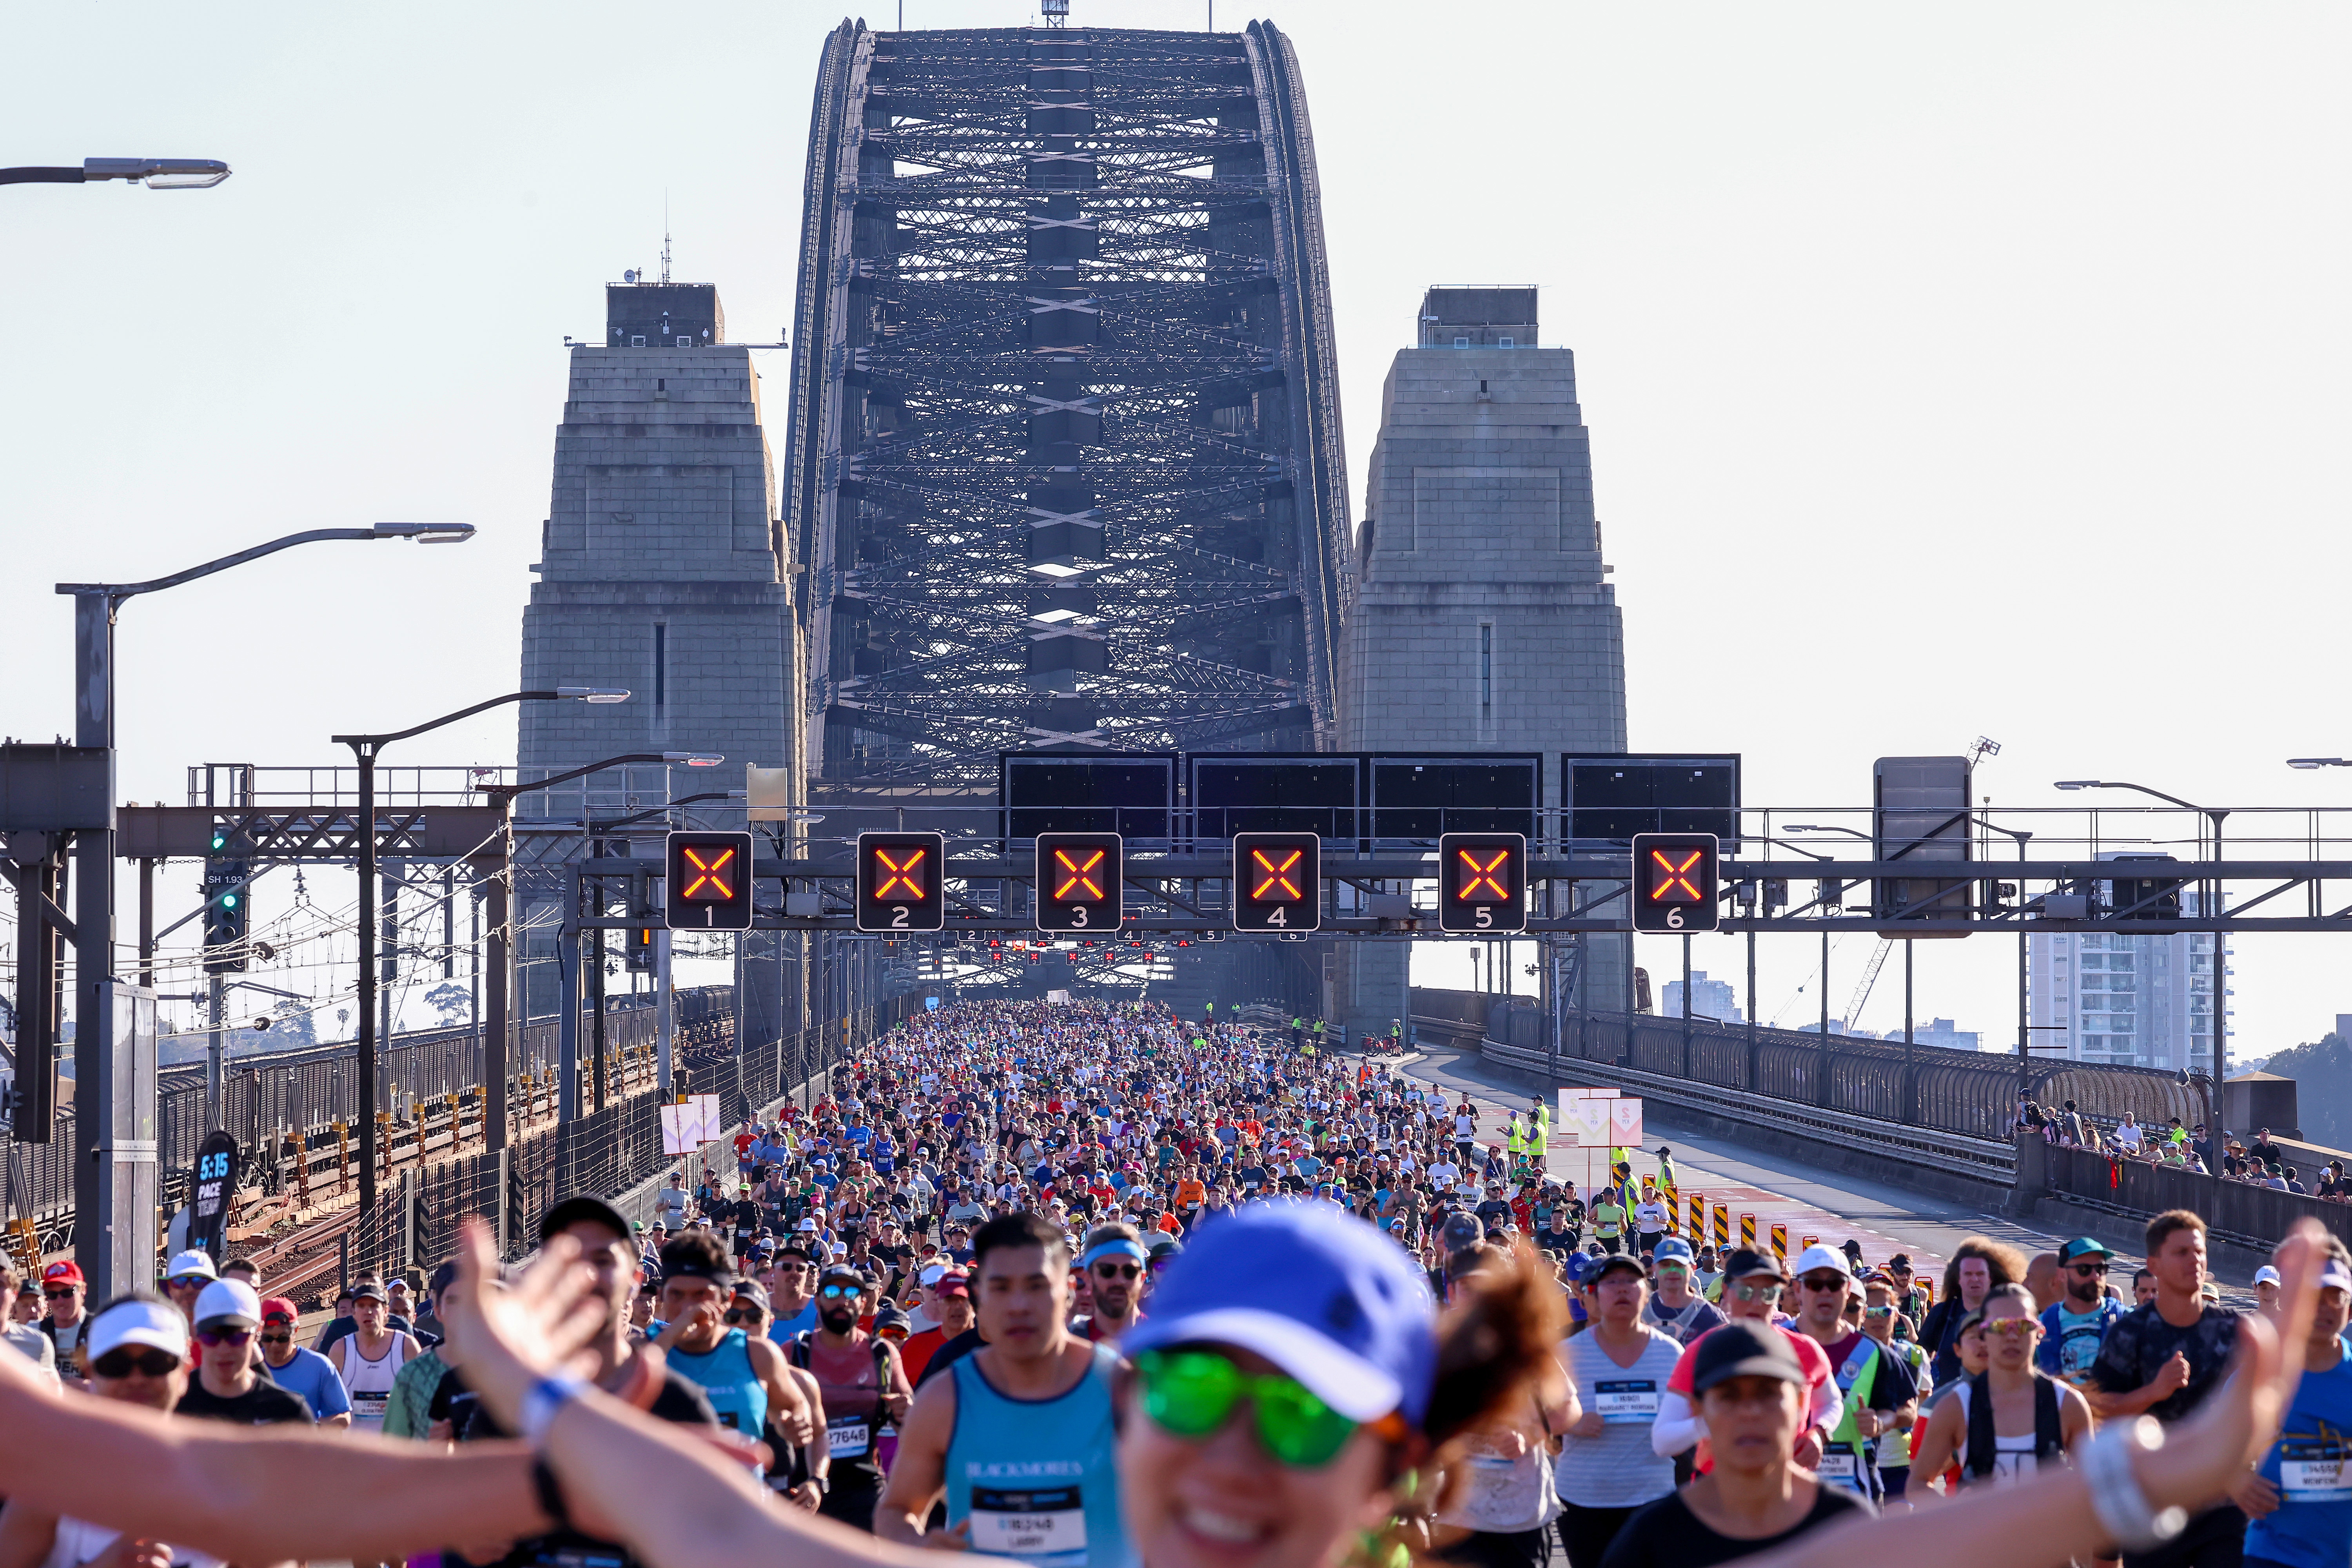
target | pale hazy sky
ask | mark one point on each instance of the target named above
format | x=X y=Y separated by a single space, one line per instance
x=1950 y=371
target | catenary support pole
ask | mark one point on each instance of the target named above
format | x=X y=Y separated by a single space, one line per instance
x=2217 y=1135
x=497 y=980
x=147 y=921
x=1751 y=1012
x=1910 y=1059
x=595 y=964
x=567 y=1029
x=363 y=825
x=213 y=1043
x=1686 y=1005
x=115 y=1171
x=665 y=1015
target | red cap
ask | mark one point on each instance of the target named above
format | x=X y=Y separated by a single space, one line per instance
x=278 y=1308
x=63 y=1272
x=952 y=1283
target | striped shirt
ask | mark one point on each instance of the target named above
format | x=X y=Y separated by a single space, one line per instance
x=1617 y=1470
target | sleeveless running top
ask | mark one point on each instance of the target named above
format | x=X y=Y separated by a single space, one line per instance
x=2006 y=1461
x=854 y=1424
x=369 y=1382
x=1056 y=1506
x=724 y=1372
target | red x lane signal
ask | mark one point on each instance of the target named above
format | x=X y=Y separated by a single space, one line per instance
x=1481 y=872
x=1278 y=882
x=1481 y=882
x=709 y=874
x=901 y=882
x=1274 y=873
x=1078 y=886
x=903 y=877
x=707 y=882
x=1677 y=882
x=1075 y=873
x=1670 y=873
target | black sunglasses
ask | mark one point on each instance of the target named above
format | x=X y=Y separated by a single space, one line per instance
x=150 y=1362
x=745 y=1315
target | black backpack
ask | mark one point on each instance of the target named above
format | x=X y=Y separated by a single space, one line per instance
x=2049 y=1431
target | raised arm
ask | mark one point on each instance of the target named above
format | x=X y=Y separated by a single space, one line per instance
x=2047 y=1521
x=681 y=1502
x=258 y=1494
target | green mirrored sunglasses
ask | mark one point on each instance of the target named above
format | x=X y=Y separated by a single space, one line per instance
x=1192 y=1393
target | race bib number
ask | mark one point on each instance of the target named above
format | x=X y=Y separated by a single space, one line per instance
x=1048 y=1521
x=847 y=1439
x=1634 y=1400
x=368 y=1408
x=2315 y=1480
x=1841 y=1469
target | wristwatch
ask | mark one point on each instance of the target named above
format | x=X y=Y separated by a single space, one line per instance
x=824 y=1486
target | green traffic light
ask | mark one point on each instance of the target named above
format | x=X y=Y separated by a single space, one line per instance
x=229 y=900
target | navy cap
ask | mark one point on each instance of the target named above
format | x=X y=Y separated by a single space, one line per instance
x=1743 y=1350
x=1328 y=1299
x=1462 y=1230
x=1596 y=1267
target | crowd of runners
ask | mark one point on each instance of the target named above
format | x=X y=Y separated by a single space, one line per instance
x=1088 y=1285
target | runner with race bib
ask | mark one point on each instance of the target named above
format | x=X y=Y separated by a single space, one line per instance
x=1018 y=1435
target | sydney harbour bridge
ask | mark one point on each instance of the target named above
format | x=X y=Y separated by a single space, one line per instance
x=1064 y=461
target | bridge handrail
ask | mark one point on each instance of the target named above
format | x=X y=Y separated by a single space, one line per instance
x=1981 y=1159
x=1972 y=1093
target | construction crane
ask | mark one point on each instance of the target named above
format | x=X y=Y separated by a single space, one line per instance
x=1869 y=978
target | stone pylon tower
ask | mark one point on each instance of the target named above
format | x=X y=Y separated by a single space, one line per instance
x=1479 y=616
x=663 y=568
x=659 y=561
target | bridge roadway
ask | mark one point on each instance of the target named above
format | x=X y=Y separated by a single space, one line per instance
x=1810 y=1201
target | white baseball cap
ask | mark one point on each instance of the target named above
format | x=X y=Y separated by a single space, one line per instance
x=196 y=1261
x=2266 y=1274
x=155 y=1324
x=228 y=1300
x=1822 y=1256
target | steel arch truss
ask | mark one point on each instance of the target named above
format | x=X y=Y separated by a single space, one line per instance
x=1066 y=461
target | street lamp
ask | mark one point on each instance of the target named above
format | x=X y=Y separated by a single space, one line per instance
x=114 y=1230
x=366 y=749
x=155 y=173
x=2213 y=1129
